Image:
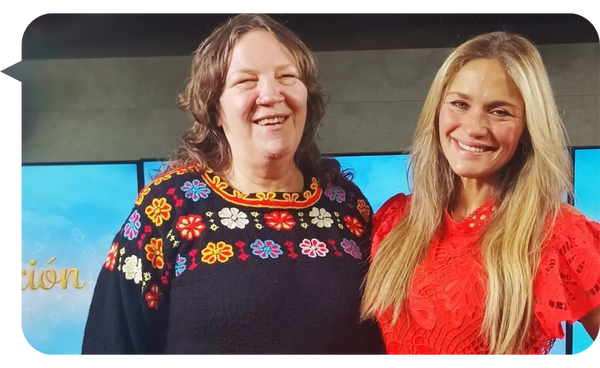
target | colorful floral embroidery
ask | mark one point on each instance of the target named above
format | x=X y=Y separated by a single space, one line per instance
x=179 y=265
x=133 y=269
x=233 y=218
x=364 y=209
x=163 y=177
x=266 y=249
x=321 y=217
x=154 y=253
x=158 y=211
x=217 y=252
x=335 y=193
x=314 y=248
x=351 y=248
x=133 y=226
x=152 y=297
x=195 y=190
x=190 y=226
x=141 y=195
x=280 y=220
x=109 y=263
x=354 y=225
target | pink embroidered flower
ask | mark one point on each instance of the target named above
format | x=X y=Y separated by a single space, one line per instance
x=351 y=248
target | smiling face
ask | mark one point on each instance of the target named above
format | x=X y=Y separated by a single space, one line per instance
x=264 y=103
x=481 y=120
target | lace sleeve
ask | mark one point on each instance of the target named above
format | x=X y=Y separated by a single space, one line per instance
x=387 y=217
x=568 y=281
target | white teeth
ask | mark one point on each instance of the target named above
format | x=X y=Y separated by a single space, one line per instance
x=271 y=121
x=469 y=148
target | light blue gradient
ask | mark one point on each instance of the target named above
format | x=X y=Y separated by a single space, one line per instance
x=587 y=200
x=70 y=216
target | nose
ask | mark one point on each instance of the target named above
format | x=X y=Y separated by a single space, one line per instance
x=269 y=92
x=475 y=123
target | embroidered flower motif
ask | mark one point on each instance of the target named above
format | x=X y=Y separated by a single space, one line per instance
x=258 y=226
x=190 y=226
x=266 y=249
x=335 y=193
x=351 y=248
x=133 y=269
x=152 y=297
x=132 y=227
x=179 y=265
x=214 y=227
x=364 y=209
x=141 y=195
x=280 y=220
x=233 y=218
x=314 y=248
x=217 y=252
x=320 y=217
x=195 y=190
x=158 y=211
x=159 y=179
x=109 y=263
x=354 y=225
x=154 y=253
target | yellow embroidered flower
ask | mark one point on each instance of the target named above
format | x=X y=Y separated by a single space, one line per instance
x=217 y=252
x=158 y=211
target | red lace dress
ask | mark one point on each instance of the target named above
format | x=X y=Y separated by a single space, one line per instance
x=447 y=297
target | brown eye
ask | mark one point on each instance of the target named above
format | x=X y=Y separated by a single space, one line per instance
x=460 y=104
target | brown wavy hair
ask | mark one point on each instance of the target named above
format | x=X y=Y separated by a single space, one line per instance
x=205 y=143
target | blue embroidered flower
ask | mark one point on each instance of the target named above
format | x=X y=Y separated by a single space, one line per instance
x=179 y=265
x=132 y=227
x=351 y=248
x=266 y=249
x=335 y=193
x=195 y=190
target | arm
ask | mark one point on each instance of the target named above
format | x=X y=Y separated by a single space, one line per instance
x=591 y=322
x=128 y=310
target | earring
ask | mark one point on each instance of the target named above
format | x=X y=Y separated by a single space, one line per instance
x=524 y=148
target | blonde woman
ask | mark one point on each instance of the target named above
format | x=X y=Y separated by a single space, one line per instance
x=484 y=257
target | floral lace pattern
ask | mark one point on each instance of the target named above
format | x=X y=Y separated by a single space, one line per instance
x=447 y=295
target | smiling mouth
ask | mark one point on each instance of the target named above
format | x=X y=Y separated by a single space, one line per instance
x=471 y=149
x=270 y=121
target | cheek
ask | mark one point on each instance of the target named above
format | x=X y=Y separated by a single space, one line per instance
x=508 y=136
x=446 y=121
x=297 y=97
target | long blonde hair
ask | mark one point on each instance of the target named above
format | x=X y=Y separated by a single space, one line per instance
x=530 y=192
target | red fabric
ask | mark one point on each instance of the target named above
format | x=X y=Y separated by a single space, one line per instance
x=447 y=296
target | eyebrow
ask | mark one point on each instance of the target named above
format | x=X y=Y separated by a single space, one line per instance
x=253 y=71
x=491 y=104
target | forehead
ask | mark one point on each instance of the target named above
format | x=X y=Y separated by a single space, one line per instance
x=485 y=78
x=259 y=49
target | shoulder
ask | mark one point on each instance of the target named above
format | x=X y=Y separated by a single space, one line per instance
x=170 y=190
x=388 y=216
x=393 y=209
x=166 y=181
x=572 y=227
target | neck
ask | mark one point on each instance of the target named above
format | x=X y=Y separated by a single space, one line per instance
x=471 y=195
x=261 y=178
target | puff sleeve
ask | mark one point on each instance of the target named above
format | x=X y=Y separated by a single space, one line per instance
x=567 y=284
